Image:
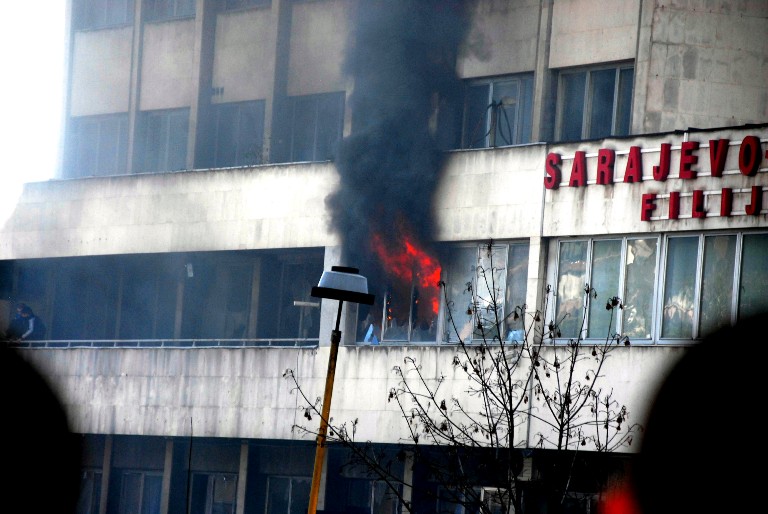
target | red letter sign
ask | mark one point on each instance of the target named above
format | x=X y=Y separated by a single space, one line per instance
x=726 y=201
x=756 y=204
x=605 y=160
x=697 y=209
x=718 y=150
x=674 y=205
x=688 y=159
x=552 y=180
x=579 y=170
x=749 y=156
x=634 y=170
x=648 y=206
x=661 y=171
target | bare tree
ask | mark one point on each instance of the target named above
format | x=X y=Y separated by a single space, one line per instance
x=473 y=442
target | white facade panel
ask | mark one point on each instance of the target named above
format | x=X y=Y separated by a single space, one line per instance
x=491 y=194
x=590 y=32
x=244 y=55
x=319 y=34
x=167 y=65
x=101 y=72
x=502 y=39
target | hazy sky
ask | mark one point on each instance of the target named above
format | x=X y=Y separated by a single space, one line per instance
x=32 y=43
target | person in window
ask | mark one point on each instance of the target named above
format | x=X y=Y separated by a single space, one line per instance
x=33 y=327
x=18 y=324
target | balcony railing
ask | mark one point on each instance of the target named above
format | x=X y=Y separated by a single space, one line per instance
x=170 y=343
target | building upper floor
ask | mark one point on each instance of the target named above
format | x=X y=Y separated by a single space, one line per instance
x=199 y=84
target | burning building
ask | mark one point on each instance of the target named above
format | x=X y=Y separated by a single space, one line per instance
x=219 y=155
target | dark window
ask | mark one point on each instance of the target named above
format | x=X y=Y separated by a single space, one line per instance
x=140 y=493
x=213 y=493
x=239 y=134
x=97 y=145
x=498 y=112
x=90 y=492
x=314 y=127
x=227 y=5
x=595 y=103
x=159 y=10
x=96 y=14
x=163 y=140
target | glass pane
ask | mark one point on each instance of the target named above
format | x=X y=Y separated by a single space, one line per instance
x=226 y=145
x=303 y=129
x=601 y=91
x=717 y=283
x=299 y=495
x=177 y=141
x=572 y=115
x=490 y=291
x=86 y=137
x=624 y=102
x=679 y=284
x=571 y=278
x=639 y=286
x=476 y=119
x=526 y=111
x=153 y=487
x=224 y=494
x=517 y=288
x=330 y=124
x=130 y=494
x=458 y=274
x=384 y=500
x=398 y=311
x=606 y=268
x=754 y=276
x=278 y=495
x=250 y=134
x=506 y=94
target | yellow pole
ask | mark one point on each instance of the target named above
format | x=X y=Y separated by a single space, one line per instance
x=326 y=410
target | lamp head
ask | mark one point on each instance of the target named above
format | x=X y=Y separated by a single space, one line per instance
x=344 y=284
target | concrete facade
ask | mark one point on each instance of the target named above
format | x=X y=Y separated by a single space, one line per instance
x=176 y=299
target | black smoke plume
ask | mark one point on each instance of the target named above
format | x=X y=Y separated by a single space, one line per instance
x=406 y=97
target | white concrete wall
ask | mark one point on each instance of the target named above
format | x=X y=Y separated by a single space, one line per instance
x=229 y=209
x=243 y=393
x=101 y=72
x=703 y=64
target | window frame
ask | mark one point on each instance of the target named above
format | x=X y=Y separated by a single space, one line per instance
x=152 y=12
x=76 y=141
x=241 y=158
x=587 y=103
x=662 y=288
x=317 y=103
x=150 y=149
x=84 y=9
x=443 y=328
x=522 y=124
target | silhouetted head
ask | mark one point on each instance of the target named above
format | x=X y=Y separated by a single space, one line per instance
x=703 y=447
x=41 y=455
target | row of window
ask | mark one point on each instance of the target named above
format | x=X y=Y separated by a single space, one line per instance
x=672 y=288
x=677 y=287
x=99 y=14
x=593 y=104
x=233 y=135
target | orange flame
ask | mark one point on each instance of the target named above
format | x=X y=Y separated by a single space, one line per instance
x=411 y=264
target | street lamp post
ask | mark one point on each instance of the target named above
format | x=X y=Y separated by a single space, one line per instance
x=343 y=284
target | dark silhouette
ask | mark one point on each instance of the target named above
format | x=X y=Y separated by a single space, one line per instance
x=18 y=325
x=702 y=449
x=41 y=455
x=31 y=326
